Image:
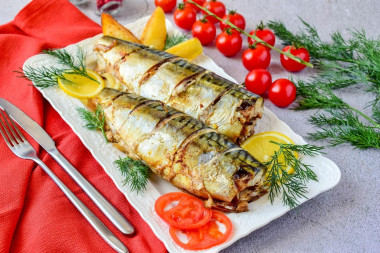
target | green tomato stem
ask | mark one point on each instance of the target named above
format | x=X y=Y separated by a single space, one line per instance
x=288 y=54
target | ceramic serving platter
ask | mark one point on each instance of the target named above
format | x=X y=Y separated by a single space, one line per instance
x=261 y=211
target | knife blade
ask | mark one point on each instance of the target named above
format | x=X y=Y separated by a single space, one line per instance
x=40 y=135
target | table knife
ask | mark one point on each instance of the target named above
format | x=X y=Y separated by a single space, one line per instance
x=40 y=135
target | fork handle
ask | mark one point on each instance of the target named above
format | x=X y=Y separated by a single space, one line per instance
x=106 y=207
x=102 y=230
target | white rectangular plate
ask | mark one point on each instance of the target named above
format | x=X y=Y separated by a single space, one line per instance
x=261 y=211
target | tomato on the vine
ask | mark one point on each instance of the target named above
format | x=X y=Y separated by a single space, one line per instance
x=292 y=65
x=184 y=16
x=235 y=18
x=215 y=7
x=166 y=5
x=256 y=58
x=264 y=34
x=196 y=8
x=258 y=81
x=206 y=236
x=189 y=213
x=229 y=42
x=282 y=92
x=204 y=30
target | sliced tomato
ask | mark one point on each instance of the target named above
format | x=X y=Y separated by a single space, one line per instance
x=206 y=236
x=182 y=210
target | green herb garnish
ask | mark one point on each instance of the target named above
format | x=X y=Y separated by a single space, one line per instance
x=94 y=120
x=292 y=186
x=47 y=76
x=340 y=63
x=172 y=40
x=136 y=173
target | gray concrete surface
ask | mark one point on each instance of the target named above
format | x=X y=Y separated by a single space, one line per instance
x=344 y=219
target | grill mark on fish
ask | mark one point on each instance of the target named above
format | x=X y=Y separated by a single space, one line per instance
x=185 y=142
x=183 y=85
x=152 y=71
x=208 y=110
x=167 y=119
x=144 y=104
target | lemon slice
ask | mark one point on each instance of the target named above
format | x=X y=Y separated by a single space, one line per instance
x=260 y=147
x=111 y=82
x=80 y=86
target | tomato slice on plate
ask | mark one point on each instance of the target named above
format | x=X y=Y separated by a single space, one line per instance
x=206 y=236
x=182 y=210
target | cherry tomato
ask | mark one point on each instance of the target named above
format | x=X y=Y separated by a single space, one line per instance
x=235 y=18
x=264 y=34
x=282 y=92
x=189 y=213
x=196 y=9
x=258 y=81
x=292 y=65
x=229 y=42
x=184 y=16
x=215 y=7
x=204 y=30
x=166 y=5
x=256 y=58
x=204 y=237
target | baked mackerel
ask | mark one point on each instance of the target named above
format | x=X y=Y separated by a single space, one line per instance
x=189 y=88
x=182 y=150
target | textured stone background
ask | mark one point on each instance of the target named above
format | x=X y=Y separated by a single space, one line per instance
x=344 y=219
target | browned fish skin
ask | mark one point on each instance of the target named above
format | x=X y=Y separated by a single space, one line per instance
x=221 y=104
x=183 y=150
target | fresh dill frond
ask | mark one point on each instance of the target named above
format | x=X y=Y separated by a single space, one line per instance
x=42 y=77
x=292 y=186
x=47 y=76
x=72 y=65
x=136 y=173
x=172 y=40
x=343 y=126
x=313 y=96
x=341 y=63
x=94 y=120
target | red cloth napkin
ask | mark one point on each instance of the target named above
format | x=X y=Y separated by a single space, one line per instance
x=35 y=216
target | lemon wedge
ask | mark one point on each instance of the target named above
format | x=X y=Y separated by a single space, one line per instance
x=260 y=147
x=80 y=86
x=111 y=81
x=189 y=49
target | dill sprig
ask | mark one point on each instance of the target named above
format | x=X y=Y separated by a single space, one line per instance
x=342 y=126
x=94 y=120
x=136 y=173
x=47 y=76
x=292 y=186
x=42 y=77
x=340 y=63
x=172 y=40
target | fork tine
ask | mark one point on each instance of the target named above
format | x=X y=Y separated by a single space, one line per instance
x=6 y=137
x=15 y=127
x=14 y=138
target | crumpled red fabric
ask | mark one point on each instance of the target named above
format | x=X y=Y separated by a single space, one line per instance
x=35 y=216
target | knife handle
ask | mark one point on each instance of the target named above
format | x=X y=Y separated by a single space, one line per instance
x=112 y=214
x=102 y=230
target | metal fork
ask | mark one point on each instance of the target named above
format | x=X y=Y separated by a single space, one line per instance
x=17 y=142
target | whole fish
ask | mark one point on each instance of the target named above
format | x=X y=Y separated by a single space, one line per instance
x=189 y=88
x=182 y=150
